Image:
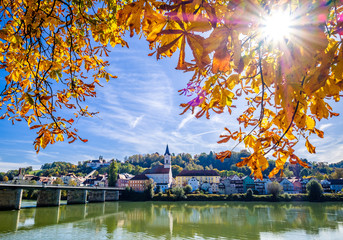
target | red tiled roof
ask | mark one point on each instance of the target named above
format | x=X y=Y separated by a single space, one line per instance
x=159 y=169
x=198 y=173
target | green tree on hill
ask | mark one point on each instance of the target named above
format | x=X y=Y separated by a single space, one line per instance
x=113 y=174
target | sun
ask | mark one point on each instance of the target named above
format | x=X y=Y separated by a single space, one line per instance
x=277 y=26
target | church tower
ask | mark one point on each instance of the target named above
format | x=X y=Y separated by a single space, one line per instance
x=167 y=158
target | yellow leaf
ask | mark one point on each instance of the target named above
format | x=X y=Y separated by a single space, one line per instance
x=263 y=162
x=29 y=98
x=196 y=44
x=250 y=141
x=232 y=81
x=228 y=101
x=289 y=135
x=279 y=163
x=273 y=172
x=217 y=39
x=200 y=25
x=60 y=137
x=310 y=123
x=236 y=49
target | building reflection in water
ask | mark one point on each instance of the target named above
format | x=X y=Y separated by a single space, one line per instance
x=179 y=220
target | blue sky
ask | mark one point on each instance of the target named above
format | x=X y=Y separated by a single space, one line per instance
x=139 y=113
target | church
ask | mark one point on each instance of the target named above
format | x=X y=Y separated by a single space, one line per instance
x=162 y=174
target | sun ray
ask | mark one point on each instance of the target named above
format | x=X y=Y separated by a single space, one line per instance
x=277 y=26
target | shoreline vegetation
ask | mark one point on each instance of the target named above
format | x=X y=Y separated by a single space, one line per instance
x=299 y=197
x=243 y=197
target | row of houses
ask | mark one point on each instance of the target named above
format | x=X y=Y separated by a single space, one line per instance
x=69 y=179
x=211 y=182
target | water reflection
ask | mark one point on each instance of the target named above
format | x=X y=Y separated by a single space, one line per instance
x=178 y=220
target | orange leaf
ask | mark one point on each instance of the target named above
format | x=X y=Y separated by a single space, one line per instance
x=319 y=133
x=310 y=147
x=35 y=126
x=181 y=63
x=244 y=162
x=221 y=60
x=222 y=155
x=225 y=139
x=273 y=172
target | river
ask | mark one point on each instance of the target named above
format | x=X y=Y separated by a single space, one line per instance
x=175 y=220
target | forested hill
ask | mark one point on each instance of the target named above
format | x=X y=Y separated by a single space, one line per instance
x=136 y=164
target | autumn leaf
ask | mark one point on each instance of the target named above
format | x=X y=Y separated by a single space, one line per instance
x=309 y=147
x=223 y=155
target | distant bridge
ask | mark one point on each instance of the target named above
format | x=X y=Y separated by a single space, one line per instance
x=50 y=195
x=61 y=187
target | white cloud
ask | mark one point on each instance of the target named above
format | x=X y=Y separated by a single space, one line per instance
x=201 y=134
x=5 y=166
x=134 y=123
x=325 y=126
x=187 y=119
x=328 y=149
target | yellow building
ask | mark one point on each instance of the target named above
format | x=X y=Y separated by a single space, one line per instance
x=139 y=183
x=209 y=176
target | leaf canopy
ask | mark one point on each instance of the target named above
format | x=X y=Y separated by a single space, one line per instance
x=288 y=84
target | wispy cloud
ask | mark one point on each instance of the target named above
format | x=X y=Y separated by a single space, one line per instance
x=134 y=123
x=325 y=126
x=329 y=149
x=187 y=119
x=5 y=166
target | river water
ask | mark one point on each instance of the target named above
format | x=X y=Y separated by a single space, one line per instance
x=175 y=220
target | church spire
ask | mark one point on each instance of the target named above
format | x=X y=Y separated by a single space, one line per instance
x=167 y=151
x=167 y=158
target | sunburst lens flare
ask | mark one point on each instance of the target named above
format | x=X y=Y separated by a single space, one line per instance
x=277 y=26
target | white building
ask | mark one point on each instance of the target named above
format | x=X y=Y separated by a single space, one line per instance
x=194 y=183
x=230 y=188
x=68 y=178
x=261 y=185
x=287 y=186
x=162 y=174
x=215 y=187
x=95 y=164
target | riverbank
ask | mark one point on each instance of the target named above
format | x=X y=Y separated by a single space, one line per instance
x=137 y=196
x=334 y=197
